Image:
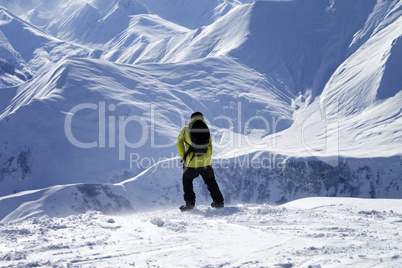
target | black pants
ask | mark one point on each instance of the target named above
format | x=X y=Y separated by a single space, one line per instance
x=207 y=173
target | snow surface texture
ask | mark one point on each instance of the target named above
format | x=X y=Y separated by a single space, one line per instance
x=313 y=232
x=303 y=99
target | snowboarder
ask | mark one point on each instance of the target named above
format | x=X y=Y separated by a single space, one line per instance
x=194 y=144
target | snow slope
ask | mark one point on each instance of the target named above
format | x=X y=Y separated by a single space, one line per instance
x=84 y=21
x=343 y=95
x=301 y=42
x=316 y=232
x=190 y=14
x=358 y=113
x=26 y=50
x=298 y=43
x=219 y=38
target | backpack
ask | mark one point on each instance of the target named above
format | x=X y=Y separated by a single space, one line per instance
x=200 y=135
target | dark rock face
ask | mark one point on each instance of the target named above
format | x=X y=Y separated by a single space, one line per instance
x=298 y=178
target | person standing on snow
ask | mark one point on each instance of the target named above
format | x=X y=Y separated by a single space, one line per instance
x=194 y=144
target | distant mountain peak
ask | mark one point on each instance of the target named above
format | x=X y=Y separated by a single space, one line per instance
x=5 y=14
x=132 y=7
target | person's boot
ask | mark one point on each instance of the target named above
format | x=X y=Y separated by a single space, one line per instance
x=217 y=205
x=186 y=207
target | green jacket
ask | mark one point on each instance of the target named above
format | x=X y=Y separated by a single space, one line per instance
x=183 y=141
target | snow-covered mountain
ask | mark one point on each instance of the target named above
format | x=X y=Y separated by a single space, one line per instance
x=26 y=50
x=156 y=93
x=303 y=99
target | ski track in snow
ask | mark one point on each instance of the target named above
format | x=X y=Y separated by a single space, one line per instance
x=329 y=235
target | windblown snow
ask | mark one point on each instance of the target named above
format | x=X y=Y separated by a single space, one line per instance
x=303 y=99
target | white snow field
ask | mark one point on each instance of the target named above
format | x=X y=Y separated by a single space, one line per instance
x=312 y=232
x=304 y=103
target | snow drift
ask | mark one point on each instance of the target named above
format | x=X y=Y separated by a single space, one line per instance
x=312 y=232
